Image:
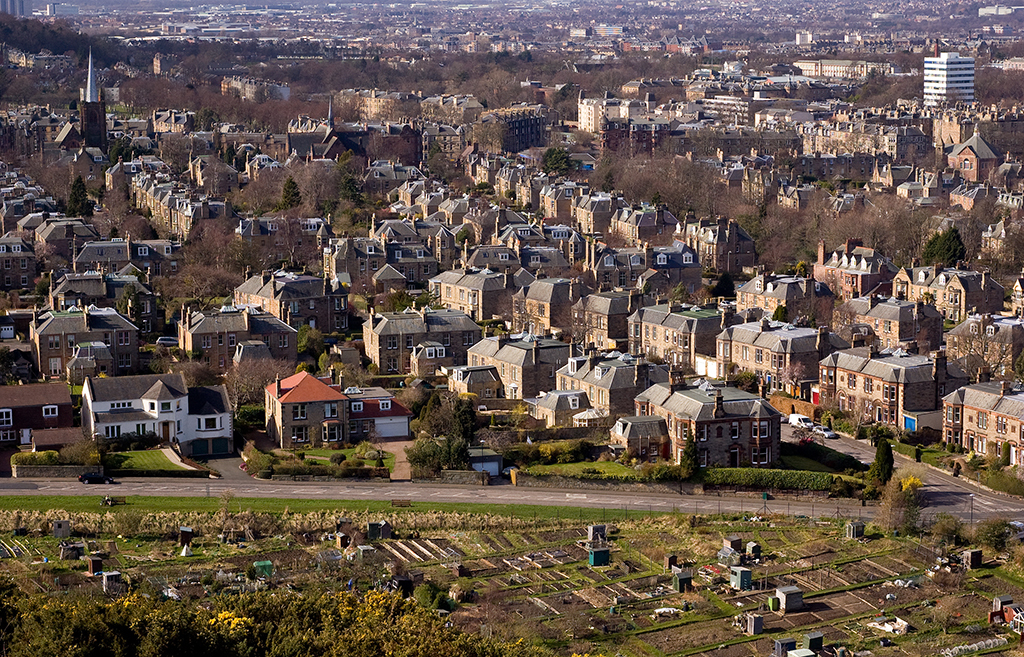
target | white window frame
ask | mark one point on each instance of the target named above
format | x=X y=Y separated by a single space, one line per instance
x=6 y=417
x=50 y=411
x=385 y=404
x=357 y=407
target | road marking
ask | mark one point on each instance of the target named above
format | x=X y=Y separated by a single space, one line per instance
x=575 y=496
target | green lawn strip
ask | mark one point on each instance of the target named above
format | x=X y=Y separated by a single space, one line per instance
x=804 y=463
x=299 y=505
x=576 y=469
x=150 y=459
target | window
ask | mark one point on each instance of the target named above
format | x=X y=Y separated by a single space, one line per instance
x=446 y=340
x=143 y=251
x=231 y=339
x=760 y=456
x=49 y=411
x=408 y=342
x=300 y=434
x=298 y=411
x=6 y=417
x=869 y=385
x=703 y=458
x=71 y=340
x=282 y=340
x=112 y=431
x=852 y=381
x=165 y=406
x=331 y=409
x=392 y=342
x=982 y=420
x=687 y=259
x=357 y=407
x=574 y=402
x=122 y=338
x=662 y=259
x=206 y=342
x=431 y=353
x=55 y=366
x=734 y=430
x=140 y=428
x=385 y=404
x=332 y=432
x=119 y=405
x=1000 y=424
x=124 y=361
x=209 y=423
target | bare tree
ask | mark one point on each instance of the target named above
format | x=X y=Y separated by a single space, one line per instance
x=247 y=380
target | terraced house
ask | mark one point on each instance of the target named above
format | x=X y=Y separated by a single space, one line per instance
x=732 y=428
x=216 y=334
x=985 y=416
x=892 y=386
x=853 y=270
x=298 y=299
x=891 y=322
x=525 y=366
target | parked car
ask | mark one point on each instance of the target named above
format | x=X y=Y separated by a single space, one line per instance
x=95 y=478
x=801 y=421
x=825 y=432
x=167 y=341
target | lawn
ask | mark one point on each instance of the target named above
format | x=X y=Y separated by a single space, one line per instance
x=576 y=469
x=145 y=504
x=804 y=463
x=150 y=459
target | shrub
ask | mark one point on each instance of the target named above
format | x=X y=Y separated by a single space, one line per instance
x=49 y=457
x=768 y=478
x=82 y=452
x=992 y=533
x=337 y=458
x=257 y=461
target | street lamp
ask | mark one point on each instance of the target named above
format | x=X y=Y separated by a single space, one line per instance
x=972 y=509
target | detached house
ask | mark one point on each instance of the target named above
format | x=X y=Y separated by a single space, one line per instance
x=196 y=420
x=732 y=428
x=480 y=293
x=298 y=299
x=216 y=334
x=304 y=411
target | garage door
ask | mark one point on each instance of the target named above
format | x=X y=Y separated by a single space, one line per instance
x=221 y=445
x=200 y=448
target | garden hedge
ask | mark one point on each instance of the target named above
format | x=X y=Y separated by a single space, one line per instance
x=769 y=479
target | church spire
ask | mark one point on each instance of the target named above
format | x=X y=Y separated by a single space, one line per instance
x=92 y=92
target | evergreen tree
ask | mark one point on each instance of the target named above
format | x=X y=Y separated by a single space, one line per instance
x=946 y=248
x=290 y=196
x=688 y=463
x=724 y=287
x=79 y=204
x=557 y=161
x=780 y=314
x=882 y=467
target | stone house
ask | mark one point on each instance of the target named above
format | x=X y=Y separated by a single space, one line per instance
x=480 y=293
x=801 y=297
x=975 y=158
x=721 y=244
x=894 y=322
x=610 y=382
x=892 y=386
x=215 y=334
x=644 y=223
x=987 y=343
x=982 y=417
x=853 y=270
x=782 y=356
x=304 y=411
x=480 y=380
x=55 y=336
x=956 y=293
x=732 y=428
x=545 y=306
x=297 y=299
x=557 y=408
x=526 y=366
x=643 y=435
x=389 y=338
x=17 y=263
x=601 y=320
x=105 y=290
x=676 y=333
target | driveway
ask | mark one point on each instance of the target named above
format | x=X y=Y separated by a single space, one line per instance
x=228 y=467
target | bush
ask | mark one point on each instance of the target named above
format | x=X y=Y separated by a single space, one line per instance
x=337 y=458
x=82 y=452
x=49 y=457
x=992 y=533
x=769 y=479
x=257 y=461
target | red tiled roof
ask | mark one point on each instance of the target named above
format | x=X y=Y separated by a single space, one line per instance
x=371 y=409
x=303 y=388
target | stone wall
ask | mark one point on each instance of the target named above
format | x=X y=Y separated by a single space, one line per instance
x=520 y=478
x=787 y=405
x=53 y=471
x=458 y=478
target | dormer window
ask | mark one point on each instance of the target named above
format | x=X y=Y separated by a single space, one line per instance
x=16 y=248
x=524 y=232
x=634 y=260
x=502 y=256
x=143 y=251
x=398 y=253
x=609 y=261
x=942 y=279
x=758 y=285
x=687 y=259
x=990 y=331
x=662 y=259
x=357 y=407
x=921 y=277
x=167 y=250
x=534 y=259
x=385 y=404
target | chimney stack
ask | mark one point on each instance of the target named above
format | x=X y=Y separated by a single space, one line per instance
x=719 y=406
x=1006 y=387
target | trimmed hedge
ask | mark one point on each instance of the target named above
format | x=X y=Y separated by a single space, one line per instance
x=49 y=457
x=769 y=479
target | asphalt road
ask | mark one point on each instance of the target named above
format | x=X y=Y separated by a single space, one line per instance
x=943 y=493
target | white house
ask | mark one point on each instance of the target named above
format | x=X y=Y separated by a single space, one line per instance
x=198 y=420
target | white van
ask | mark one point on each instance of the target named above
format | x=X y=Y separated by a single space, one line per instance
x=801 y=421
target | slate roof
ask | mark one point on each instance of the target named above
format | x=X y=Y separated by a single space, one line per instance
x=698 y=402
x=893 y=309
x=121 y=388
x=91 y=319
x=208 y=400
x=558 y=400
x=35 y=394
x=232 y=320
x=784 y=288
x=687 y=319
x=889 y=365
x=431 y=320
x=982 y=149
x=970 y=280
x=779 y=337
x=989 y=396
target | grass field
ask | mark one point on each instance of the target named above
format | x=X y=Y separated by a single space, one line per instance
x=576 y=469
x=804 y=463
x=91 y=504
x=151 y=459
